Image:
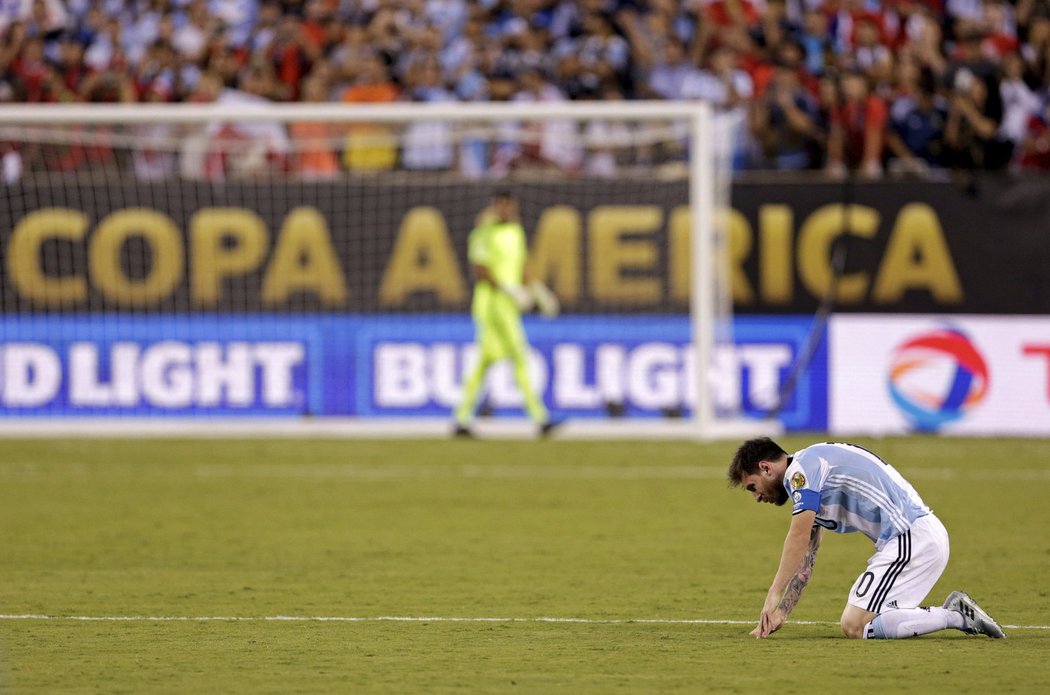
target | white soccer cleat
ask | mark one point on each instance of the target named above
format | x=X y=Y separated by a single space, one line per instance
x=975 y=620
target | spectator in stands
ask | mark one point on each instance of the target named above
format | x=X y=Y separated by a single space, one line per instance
x=46 y=19
x=999 y=29
x=266 y=26
x=370 y=146
x=11 y=45
x=647 y=35
x=870 y=53
x=728 y=88
x=292 y=51
x=1020 y=102
x=924 y=43
x=238 y=16
x=971 y=133
x=576 y=82
x=962 y=14
x=348 y=57
x=783 y=121
x=69 y=63
x=522 y=47
x=842 y=19
x=724 y=13
x=195 y=160
x=915 y=139
x=155 y=159
x=89 y=24
x=607 y=142
x=237 y=150
x=387 y=32
x=459 y=57
x=1036 y=48
x=428 y=145
x=112 y=85
x=552 y=143
x=774 y=28
x=55 y=50
x=227 y=63
x=258 y=77
x=671 y=70
x=449 y=17
x=858 y=126
x=31 y=69
x=815 y=42
x=722 y=82
x=107 y=47
x=604 y=55
x=314 y=156
x=196 y=27
x=1035 y=146
x=321 y=31
x=968 y=56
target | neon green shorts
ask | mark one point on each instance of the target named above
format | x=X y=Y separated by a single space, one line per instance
x=498 y=328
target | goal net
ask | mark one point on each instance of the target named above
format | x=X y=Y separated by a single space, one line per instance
x=294 y=261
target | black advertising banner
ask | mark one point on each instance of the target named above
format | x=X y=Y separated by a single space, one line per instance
x=911 y=247
x=617 y=246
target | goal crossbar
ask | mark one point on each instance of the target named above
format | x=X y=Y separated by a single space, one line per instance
x=91 y=114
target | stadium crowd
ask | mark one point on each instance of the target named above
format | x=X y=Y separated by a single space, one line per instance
x=833 y=85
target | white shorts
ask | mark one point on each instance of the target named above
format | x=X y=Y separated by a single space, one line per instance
x=903 y=572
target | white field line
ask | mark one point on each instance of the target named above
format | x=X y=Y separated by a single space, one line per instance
x=421 y=619
x=576 y=472
x=367 y=471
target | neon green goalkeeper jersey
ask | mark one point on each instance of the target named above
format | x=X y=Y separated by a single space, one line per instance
x=500 y=247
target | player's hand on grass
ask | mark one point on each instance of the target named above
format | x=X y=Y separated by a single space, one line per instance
x=768 y=623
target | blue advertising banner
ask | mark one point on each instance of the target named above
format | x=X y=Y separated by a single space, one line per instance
x=120 y=365
x=382 y=366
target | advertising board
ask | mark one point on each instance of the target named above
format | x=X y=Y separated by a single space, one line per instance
x=946 y=374
x=388 y=366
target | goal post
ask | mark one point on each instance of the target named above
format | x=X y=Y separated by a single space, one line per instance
x=134 y=235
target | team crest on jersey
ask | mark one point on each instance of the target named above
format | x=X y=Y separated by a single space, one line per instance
x=798 y=480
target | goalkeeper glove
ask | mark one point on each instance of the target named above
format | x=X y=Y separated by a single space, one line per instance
x=521 y=296
x=546 y=301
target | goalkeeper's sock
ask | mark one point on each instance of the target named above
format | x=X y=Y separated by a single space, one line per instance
x=911 y=622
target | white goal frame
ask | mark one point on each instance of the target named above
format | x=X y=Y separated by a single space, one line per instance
x=702 y=175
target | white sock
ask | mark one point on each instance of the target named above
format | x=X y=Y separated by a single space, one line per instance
x=911 y=622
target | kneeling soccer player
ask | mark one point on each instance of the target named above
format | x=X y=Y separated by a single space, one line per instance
x=845 y=488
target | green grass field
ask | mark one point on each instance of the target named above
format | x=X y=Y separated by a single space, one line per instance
x=613 y=534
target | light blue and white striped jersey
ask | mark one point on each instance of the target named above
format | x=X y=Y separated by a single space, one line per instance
x=852 y=489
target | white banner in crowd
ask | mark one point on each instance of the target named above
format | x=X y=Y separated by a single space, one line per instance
x=951 y=374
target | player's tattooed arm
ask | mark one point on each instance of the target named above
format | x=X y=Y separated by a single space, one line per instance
x=797 y=583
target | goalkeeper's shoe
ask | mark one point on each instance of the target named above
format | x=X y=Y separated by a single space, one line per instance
x=975 y=620
x=462 y=432
x=547 y=428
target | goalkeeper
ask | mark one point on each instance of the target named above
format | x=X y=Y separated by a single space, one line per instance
x=497 y=252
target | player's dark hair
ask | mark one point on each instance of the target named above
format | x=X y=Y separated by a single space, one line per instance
x=503 y=194
x=749 y=455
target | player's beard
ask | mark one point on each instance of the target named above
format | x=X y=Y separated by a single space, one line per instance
x=780 y=496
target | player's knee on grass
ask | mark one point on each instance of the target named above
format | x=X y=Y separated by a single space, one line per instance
x=851 y=629
x=853 y=621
